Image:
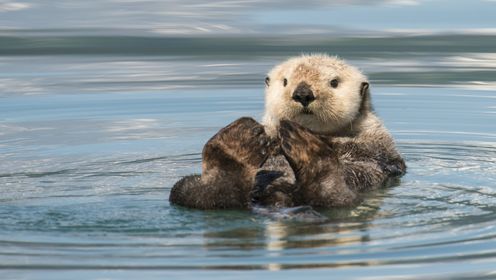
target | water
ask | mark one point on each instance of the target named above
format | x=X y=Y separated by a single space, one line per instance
x=96 y=125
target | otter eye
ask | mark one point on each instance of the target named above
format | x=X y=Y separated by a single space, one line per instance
x=334 y=83
x=267 y=81
x=285 y=82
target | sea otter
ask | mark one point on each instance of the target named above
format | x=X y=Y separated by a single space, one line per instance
x=320 y=144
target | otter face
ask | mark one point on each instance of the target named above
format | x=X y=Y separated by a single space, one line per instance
x=319 y=92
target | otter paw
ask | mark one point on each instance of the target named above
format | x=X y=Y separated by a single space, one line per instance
x=263 y=188
x=268 y=192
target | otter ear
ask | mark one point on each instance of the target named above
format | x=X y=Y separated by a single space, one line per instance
x=267 y=81
x=366 y=104
x=364 y=89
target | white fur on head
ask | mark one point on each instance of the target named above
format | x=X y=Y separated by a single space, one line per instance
x=332 y=109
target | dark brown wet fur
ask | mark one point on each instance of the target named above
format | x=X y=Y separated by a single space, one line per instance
x=334 y=174
x=231 y=159
x=243 y=167
x=316 y=166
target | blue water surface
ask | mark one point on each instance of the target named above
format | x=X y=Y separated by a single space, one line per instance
x=105 y=107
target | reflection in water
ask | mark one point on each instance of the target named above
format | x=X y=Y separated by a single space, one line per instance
x=286 y=243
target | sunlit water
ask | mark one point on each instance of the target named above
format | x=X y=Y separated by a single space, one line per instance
x=91 y=145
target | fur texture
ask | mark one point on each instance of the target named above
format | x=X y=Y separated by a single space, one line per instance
x=333 y=110
x=231 y=159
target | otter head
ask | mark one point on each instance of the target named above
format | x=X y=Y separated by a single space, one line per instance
x=320 y=92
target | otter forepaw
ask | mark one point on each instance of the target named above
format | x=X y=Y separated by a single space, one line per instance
x=263 y=181
x=272 y=190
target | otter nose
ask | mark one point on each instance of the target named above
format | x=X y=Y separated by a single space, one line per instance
x=303 y=94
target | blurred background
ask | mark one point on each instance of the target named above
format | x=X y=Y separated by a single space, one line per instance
x=389 y=39
x=105 y=104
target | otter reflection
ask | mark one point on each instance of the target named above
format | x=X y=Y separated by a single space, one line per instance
x=272 y=237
